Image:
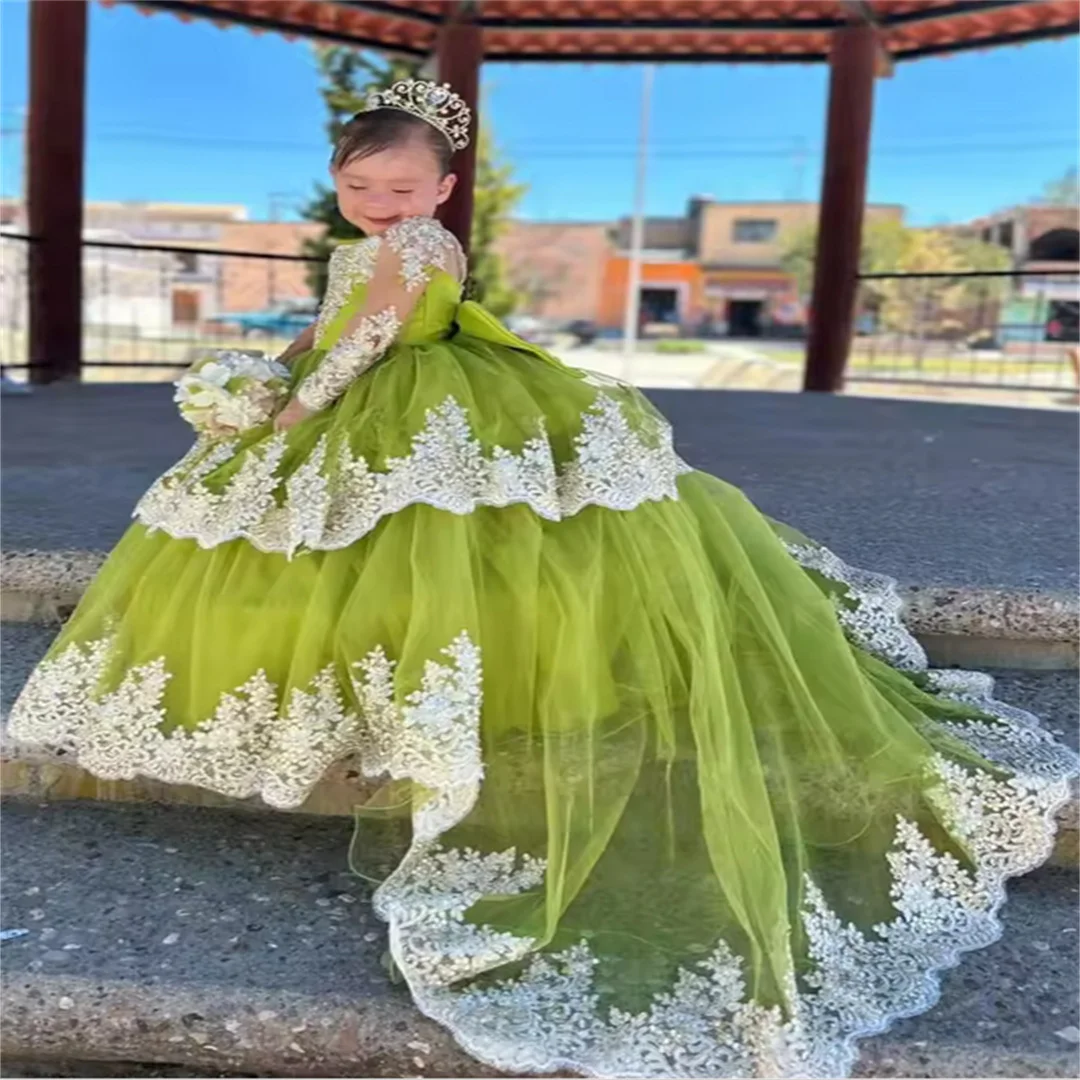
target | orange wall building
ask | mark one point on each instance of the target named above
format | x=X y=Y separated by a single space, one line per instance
x=717 y=270
x=672 y=292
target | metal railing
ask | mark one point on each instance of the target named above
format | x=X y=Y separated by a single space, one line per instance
x=1009 y=330
x=148 y=310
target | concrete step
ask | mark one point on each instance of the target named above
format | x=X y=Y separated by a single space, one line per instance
x=229 y=943
x=27 y=774
x=965 y=626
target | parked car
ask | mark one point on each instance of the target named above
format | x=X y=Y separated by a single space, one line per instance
x=282 y=320
x=530 y=329
x=984 y=341
x=1064 y=321
x=585 y=331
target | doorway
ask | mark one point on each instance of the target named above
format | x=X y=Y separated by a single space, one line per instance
x=659 y=307
x=185 y=307
x=744 y=318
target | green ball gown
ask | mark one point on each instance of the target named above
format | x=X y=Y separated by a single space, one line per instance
x=685 y=797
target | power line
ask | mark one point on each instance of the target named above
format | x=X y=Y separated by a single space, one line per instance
x=727 y=149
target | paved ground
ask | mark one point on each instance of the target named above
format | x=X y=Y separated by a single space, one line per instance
x=933 y=494
x=217 y=907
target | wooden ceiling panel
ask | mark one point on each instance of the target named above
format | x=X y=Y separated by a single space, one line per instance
x=633 y=30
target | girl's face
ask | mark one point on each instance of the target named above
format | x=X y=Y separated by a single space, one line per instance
x=399 y=182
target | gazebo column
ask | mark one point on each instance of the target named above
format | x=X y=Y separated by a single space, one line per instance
x=55 y=148
x=460 y=53
x=843 y=198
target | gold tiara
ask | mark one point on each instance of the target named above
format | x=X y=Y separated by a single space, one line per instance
x=433 y=103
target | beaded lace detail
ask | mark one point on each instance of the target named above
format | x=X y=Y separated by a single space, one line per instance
x=255 y=743
x=350 y=266
x=354 y=353
x=334 y=497
x=550 y=1018
x=423 y=246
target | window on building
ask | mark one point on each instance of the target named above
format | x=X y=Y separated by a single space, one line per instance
x=1005 y=235
x=187 y=262
x=753 y=231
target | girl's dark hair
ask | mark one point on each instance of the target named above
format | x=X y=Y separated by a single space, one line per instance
x=369 y=133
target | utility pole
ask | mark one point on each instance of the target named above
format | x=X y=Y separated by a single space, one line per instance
x=637 y=225
x=277 y=199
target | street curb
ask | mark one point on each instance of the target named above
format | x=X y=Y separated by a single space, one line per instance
x=966 y=626
x=277 y=1033
x=253 y=1031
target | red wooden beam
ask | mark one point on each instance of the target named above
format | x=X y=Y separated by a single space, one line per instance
x=460 y=54
x=843 y=198
x=55 y=146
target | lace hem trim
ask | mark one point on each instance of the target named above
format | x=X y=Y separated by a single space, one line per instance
x=256 y=743
x=869 y=608
x=323 y=508
x=549 y=1018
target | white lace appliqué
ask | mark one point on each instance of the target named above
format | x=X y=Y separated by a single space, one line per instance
x=873 y=621
x=425 y=901
x=870 y=610
x=424 y=245
x=334 y=497
x=433 y=739
x=350 y=265
x=550 y=1017
x=353 y=354
x=255 y=745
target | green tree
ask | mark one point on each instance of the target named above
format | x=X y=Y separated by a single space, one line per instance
x=931 y=304
x=882 y=243
x=1065 y=191
x=348 y=76
x=943 y=307
x=495 y=198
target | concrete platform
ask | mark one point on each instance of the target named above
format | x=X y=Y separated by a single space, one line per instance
x=931 y=494
x=225 y=942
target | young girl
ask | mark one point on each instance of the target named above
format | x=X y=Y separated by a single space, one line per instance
x=685 y=798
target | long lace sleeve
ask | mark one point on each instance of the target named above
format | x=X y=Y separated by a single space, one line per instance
x=409 y=253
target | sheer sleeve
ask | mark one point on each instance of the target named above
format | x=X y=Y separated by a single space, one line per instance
x=409 y=253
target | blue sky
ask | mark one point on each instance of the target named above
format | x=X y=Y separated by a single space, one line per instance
x=190 y=112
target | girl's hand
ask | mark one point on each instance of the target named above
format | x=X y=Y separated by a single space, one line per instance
x=293 y=413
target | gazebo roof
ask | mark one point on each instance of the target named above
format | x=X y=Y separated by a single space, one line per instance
x=650 y=30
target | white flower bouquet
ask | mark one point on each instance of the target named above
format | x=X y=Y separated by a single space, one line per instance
x=227 y=392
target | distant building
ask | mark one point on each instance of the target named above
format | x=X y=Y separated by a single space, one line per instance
x=160 y=292
x=719 y=269
x=1037 y=237
x=1044 y=245
x=556 y=267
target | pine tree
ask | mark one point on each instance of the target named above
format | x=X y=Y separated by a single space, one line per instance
x=348 y=77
